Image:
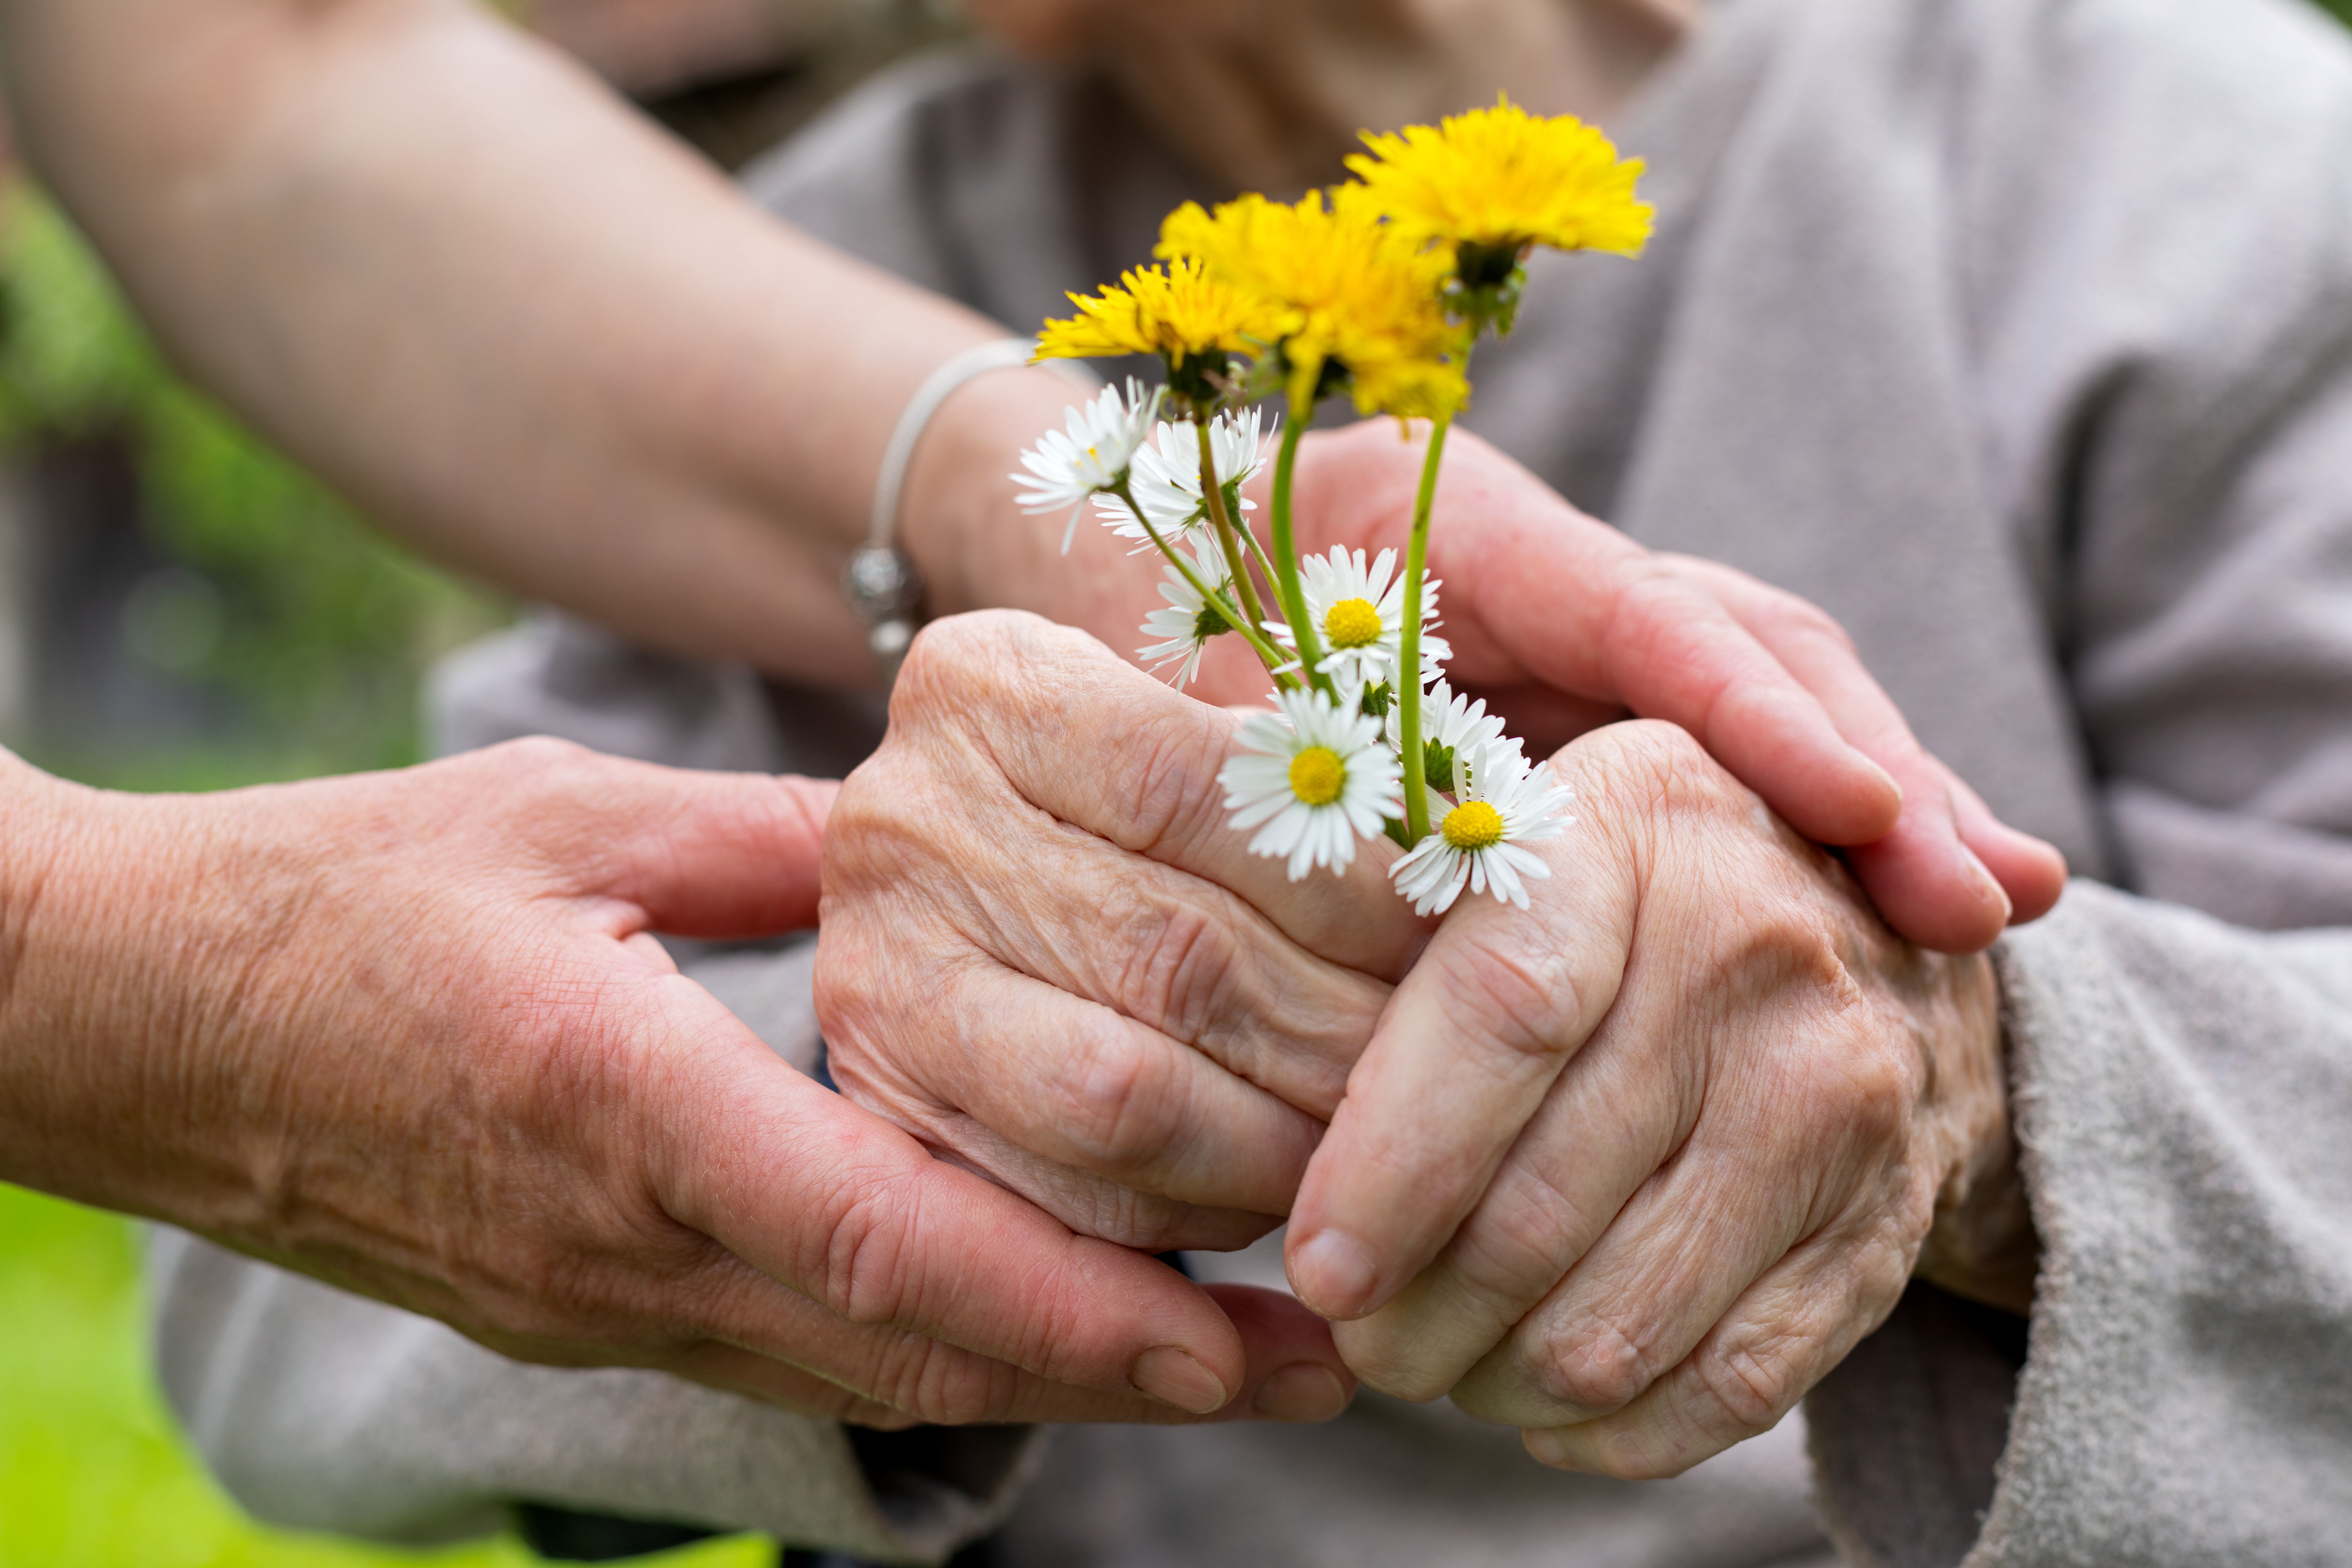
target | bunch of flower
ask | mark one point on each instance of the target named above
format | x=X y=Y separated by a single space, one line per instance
x=1377 y=290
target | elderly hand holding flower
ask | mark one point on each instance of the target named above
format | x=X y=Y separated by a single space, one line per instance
x=1382 y=292
x=1589 y=1164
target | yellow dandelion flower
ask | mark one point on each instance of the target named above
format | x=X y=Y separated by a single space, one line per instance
x=1179 y=312
x=1503 y=179
x=1351 y=290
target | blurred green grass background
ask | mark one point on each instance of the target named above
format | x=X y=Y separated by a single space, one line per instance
x=93 y=1473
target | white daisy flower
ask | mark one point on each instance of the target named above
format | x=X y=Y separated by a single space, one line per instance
x=1502 y=804
x=1450 y=724
x=1188 y=623
x=1166 y=477
x=1317 y=776
x=1066 y=467
x=1359 y=611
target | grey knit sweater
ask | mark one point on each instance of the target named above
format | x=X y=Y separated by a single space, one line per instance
x=2018 y=335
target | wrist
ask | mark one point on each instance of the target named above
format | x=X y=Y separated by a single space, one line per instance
x=1981 y=1243
x=977 y=549
x=63 y=1038
x=114 y=973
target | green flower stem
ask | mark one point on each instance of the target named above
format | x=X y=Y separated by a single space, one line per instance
x=1268 y=654
x=1214 y=495
x=1408 y=684
x=1285 y=547
x=1257 y=551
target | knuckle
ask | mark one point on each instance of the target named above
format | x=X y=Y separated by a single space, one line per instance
x=1799 y=619
x=1862 y=1070
x=535 y=770
x=1748 y=1385
x=913 y=1380
x=864 y=1274
x=1653 y=598
x=1600 y=1370
x=956 y=1388
x=1662 y=768
x=959 y=665
x=534 y=755
x=1877 y=1090
x=942 y=657
x=1167 y=771
x=1120 y=1101
x=987 y=660
x=1522 y=992
x=1179 y=970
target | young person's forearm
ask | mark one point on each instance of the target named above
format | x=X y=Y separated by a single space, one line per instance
x=452 y=273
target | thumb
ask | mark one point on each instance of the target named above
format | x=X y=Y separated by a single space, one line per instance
x=701 y=854
x=724 y=855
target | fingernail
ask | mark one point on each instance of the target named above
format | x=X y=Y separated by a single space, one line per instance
x=1882 y=772
x=1332 y=1273
x=1178 y=1378
x=1986 y=879
x=1301 y=1391
x=1545 y=1446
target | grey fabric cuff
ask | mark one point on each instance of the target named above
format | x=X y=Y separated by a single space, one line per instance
x=321 y=1411
x=2177 y=1091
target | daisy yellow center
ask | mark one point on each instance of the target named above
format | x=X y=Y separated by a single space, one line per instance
x=1316 y=775
x=1473 y=825
x=1352 y=623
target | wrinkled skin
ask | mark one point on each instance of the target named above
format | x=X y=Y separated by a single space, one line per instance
x=1563 y=623
x=1044 y=953
x=408 y=1033
x=1632 y=1169
x=1635 y=1167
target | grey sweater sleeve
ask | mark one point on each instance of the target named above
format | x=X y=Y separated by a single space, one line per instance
x=2170 y=376
x=323 y=1411
x=2187 y=1394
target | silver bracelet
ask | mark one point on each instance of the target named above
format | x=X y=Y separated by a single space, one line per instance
x=880 y=583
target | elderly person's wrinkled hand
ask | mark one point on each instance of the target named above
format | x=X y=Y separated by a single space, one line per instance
x=1636 y=1167
x=1047 y=953
x=1045 y=950
x=1562 y=623
x=409 y=1033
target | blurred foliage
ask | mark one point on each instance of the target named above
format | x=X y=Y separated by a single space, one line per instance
x=94 y=1471
x=318 y=626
